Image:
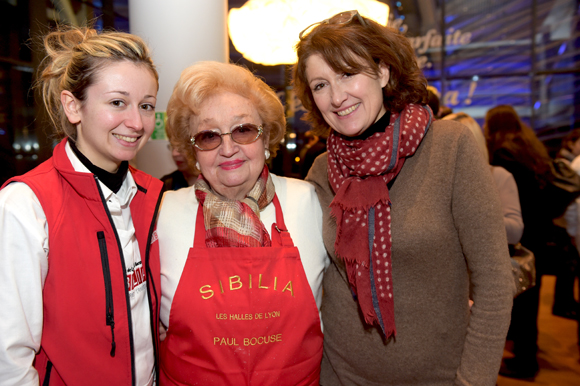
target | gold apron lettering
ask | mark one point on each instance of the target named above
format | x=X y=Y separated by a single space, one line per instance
x=237 y=283
x=260 y=283
x=207 y=291
x=273 y=314
x=235 y=280
x=217 y=341
x=289 y=288
x=241 y=316
x=260 y=340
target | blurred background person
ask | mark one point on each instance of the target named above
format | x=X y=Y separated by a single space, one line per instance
x=409 y=209
x=444 y=111
x=184 y=176
x=515 y=147
x=565 y=305
x=433 y=100
x=316 y=145
x=242 y=255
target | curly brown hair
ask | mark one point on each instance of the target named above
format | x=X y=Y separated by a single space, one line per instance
x=360 y=48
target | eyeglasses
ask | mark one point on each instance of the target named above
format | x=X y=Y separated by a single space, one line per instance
x=243 y=134
x=339 y=18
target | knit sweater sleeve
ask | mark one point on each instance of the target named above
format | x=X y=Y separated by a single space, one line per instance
x=447 y=221
x=477 y=215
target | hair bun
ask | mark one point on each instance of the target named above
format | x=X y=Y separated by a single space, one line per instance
x=74 y=55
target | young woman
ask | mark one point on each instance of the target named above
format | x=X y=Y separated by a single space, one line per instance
x=79 y=266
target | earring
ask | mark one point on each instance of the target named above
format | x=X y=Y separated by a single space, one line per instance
x=267 y=153
x=197 y=166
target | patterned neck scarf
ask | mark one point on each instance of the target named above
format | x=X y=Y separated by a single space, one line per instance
x=358 y=172
x=232 y=223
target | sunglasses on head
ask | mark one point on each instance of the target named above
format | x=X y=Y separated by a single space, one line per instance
x=243 y=134
x=340 y=18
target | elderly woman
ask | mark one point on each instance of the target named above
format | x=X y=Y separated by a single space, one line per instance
x=242 y=251
x=411 y=217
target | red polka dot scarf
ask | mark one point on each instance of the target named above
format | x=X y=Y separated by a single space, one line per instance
x=359 y=171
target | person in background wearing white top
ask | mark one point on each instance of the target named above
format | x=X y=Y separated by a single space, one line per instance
x=241 y=251
x=79 y=263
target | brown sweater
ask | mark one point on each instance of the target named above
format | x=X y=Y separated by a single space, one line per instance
x=447 y=228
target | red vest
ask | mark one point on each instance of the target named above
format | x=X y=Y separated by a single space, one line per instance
x=243 y=316
x=87 y=336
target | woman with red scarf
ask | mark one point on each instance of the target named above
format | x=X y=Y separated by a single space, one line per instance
x=241 y=251
x=411 y=218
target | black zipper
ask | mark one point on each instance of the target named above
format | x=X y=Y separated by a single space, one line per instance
x=124 y=273
x=110 y=311
x=46 y=381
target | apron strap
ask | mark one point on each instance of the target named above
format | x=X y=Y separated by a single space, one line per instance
x=280 y=234
x=199 y=239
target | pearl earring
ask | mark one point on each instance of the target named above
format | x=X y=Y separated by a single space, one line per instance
x=267 y=153
x=197 y=166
